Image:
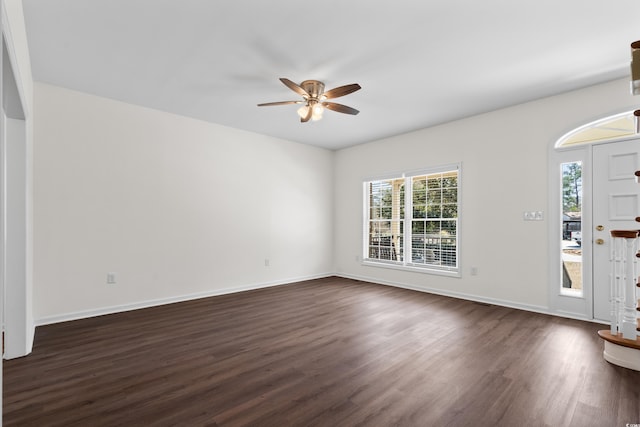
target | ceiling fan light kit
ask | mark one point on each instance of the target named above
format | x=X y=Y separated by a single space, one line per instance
x=315 y=99
x=316 y=112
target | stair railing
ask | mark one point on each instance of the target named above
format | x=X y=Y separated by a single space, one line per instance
x=623 y=283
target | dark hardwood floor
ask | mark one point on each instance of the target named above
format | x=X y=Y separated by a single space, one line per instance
x=329 y=352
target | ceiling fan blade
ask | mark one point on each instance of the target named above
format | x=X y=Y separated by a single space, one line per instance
x=341 y=91
x=267 y=104
x=294 y=87
x=340 y=108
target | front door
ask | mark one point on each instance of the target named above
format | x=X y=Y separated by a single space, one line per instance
x=616 y=204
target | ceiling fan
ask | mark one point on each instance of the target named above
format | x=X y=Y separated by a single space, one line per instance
x=314 y=99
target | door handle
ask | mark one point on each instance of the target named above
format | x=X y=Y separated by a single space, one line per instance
x=599 y=241
x=600 y=227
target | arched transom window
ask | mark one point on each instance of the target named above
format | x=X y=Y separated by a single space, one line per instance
x=612 y=127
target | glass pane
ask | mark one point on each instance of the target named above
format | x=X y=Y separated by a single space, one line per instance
x=434 y=211
x=571 y=239
x=434 y=196
x=448 y=228
x=373 y=228
x=402 y=201
x=419 y=184
x=608 y=128
x=450 y=181
x=419 y=211
x=434 y=181
x=449 y=211
x=450 y=195
x=433 y=227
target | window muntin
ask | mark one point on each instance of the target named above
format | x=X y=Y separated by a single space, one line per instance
x=412 y=220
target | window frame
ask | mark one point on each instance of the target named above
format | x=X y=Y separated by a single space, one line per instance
x=407 y=263
x=569 y=305
x=569 y=292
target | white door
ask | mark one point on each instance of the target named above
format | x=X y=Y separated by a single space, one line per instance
x=616 y=204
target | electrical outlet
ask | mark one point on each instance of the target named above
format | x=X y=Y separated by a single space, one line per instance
x=111 y=278
x=266 y=262
x=533 y=215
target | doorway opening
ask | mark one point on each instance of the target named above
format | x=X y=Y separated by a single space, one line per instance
x=587 y=165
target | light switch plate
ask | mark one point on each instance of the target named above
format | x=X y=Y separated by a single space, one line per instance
x=533 y=215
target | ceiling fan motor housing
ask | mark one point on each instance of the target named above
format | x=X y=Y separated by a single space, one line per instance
x=314 y=88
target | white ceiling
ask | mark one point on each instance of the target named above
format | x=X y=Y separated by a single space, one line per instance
x=419 y=63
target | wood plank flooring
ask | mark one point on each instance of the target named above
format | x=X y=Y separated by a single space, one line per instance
x=328 y=352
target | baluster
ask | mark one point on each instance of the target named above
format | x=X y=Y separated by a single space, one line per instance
x=614 y=279
x=629 y=318
x=623 y=283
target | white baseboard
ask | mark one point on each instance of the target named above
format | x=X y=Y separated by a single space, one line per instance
x=468 y=297
x=47 y=320
x=84 y=314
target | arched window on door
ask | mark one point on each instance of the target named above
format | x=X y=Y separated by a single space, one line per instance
x=607 y=129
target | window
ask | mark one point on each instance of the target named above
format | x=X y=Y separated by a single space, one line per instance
x=571 y=240
x=610 y=128
x=412 y=220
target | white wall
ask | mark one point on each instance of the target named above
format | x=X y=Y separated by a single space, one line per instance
x=158 y=199
x=174 y=206
x=504 y=157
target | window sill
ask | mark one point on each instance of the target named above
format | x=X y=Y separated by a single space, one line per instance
x=573 y=293
x=414 y=268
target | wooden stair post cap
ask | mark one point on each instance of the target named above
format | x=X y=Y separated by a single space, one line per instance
x=625 y=234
